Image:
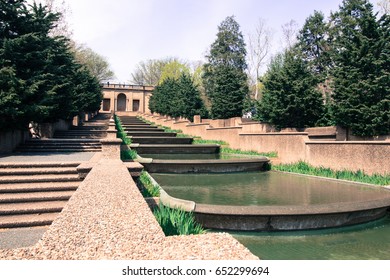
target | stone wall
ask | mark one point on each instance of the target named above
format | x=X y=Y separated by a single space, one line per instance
x=370 y=156
x=11 y=139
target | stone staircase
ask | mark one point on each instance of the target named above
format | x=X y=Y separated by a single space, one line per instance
x=83 y=138
x=33 y=194
x=60 y=145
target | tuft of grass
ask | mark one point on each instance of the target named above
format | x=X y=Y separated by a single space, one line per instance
x=177 y=221
x=203 y=141
x=228 y=150
x=128 y=155
x=357 y=176
x=145 y=184
x=121 y=133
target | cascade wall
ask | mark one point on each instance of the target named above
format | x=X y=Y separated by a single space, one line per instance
x=370 y=156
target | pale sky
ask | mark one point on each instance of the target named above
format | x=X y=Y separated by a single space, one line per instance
x=126 y=32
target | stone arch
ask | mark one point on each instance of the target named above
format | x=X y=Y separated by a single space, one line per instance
x=121 y=102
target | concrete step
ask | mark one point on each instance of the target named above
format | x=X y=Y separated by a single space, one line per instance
x=39 y=178
x=59 y=140
x=139 y=126
x=175 y=149
x=144 y=129
x=35 y=196
x=63 y=144
x=79 y=137
x=28 y=220
x=73 y=150
x=38 y=164
x=31 y=207
x=160 y=140
x=150 y=133
x=81 y=132
x=37 y=171
x=39 y=187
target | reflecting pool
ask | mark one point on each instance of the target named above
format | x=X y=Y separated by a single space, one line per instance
x=264 y=188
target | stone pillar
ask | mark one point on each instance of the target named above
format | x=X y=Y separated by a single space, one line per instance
x=111 y=148
x=341 y=134
x=111 y=132
x=197 y=119
x=76 y=120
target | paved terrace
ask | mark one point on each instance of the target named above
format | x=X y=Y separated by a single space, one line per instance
x=107 y=218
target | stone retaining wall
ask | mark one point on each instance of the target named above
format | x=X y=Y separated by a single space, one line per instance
x=369 y=156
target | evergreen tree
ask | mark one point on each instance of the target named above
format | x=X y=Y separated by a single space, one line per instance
x=190 y=102
x=290 y=96
x=224 y=77
x=361 y=77
x=314 y=43
x=39 y=77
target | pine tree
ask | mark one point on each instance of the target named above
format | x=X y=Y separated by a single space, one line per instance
x=38 y=71
x=290 y=96
x=189 y=97
x=314 y=43
x=225 y=80
x=361 y=69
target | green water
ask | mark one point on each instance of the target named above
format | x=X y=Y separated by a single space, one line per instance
x=264 y=188
x=369 y=241
x=196 y=156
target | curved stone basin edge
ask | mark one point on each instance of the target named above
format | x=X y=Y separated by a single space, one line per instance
x=279 y=217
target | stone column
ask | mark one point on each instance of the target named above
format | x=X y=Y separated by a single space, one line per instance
x=111 y=148
x=197 y=119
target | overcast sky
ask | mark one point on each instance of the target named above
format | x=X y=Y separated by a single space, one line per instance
x=129 y=31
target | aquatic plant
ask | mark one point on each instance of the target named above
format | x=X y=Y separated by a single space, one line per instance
x=147 y=187
x=175 y=221
x=303 y=167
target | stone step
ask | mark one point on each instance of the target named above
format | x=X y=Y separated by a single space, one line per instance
x=78 y=137
x=139 y=126
x=56 y=144
x=38 y=164
x=36 y=171
x=31 y=207
x=39 y=187
x=161 y=140
x=175 y=149
x=81 y=132
x=28 y=220
x=151 y=133
x=39 y=178
x=59 y=140
x=39 y=150
x=35 y=196
x=144 y=129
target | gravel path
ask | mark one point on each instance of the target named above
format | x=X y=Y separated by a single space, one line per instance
x=107 y=218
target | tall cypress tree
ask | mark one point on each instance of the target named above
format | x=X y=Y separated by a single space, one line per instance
x=290 y=96
x=361 y=69
x=225 y=80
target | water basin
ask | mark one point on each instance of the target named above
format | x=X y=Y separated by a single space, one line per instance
x=275 y=201
x=264 y=188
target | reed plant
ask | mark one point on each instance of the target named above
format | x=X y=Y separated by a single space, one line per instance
x=147 y=187
x=175 y=221
x=303 y=167
x=121 y=133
